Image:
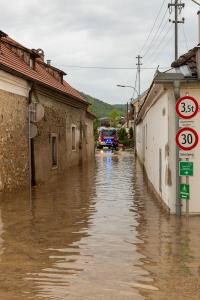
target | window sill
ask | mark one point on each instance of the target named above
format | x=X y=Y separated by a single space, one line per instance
x=54 y=167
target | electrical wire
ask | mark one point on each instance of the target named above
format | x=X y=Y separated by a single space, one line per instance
x=157 y=33
x=152 y=28
x=109 y=68
x=158 y=41
x=185 y=38
x=163 y=44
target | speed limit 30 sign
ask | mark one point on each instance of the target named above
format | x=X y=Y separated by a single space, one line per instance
x=187 y=138
x=187 y=107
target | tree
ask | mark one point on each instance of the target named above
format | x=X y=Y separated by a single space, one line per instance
x=114 y=117
x=131 y=132
x=122 y=134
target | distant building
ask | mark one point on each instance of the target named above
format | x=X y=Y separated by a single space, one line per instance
x=156 y=129
x=62 y=138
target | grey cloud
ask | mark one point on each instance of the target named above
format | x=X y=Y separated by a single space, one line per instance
x=93 y=33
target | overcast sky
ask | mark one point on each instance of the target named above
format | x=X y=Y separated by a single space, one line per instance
x=93 y=33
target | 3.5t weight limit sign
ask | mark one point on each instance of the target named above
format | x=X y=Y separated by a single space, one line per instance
x=187 y=139
x=187 y=107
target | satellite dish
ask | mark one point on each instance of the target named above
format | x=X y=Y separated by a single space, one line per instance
x=33 y=131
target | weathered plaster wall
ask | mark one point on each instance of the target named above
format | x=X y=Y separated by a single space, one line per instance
x=58 y=120
x=153 y=147
x=13 y=141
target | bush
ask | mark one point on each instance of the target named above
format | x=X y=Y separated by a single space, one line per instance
x=122 y=134
x=131 y=132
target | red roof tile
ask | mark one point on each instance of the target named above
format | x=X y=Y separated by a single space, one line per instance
x=188 y=59
x=39 y=74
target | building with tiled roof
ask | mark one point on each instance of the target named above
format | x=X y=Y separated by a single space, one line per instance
x=188 y=59
x=167 y=132
x=29 y=64
x=45 y=124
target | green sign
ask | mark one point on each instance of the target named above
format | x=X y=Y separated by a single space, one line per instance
x=184 y=191
x=186 y=168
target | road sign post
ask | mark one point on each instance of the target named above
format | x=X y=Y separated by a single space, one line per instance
x=185 y=191
x=186 y=140
x=187 y=107
x=186 y=168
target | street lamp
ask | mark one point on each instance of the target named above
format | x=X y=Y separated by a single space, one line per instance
x=128 y=86
x=132 y=87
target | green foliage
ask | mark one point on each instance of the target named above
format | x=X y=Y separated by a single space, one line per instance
x=122 y=134
x=123 y=138
x=96 y=124
x=102 y=109
x=131 y=132
x=114 y=117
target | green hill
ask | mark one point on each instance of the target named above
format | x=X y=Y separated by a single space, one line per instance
x=102 y=109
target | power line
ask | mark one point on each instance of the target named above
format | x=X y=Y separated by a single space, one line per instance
x=109 y=68
x=152 y=28
x=185 y=38
x=151 y=50
x=156 y=33
x=162 y=45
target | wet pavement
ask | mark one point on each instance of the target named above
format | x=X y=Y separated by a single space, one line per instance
x=96 y=234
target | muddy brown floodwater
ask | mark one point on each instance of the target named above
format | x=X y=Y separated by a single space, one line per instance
x=96 y=234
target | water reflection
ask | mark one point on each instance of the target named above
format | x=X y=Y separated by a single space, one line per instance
x=170 y=248
x=96 y=234
x=42 y=245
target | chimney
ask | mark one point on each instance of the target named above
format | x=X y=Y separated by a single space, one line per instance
x=40 y=52
x=48 y=62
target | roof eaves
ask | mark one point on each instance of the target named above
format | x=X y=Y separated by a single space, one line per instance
x=19 y=46
x=26 y=77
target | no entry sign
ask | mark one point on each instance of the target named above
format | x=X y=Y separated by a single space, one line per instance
x=187 y=138
x=187 y=107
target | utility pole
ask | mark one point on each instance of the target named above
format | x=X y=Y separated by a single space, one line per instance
x=178 y=6
x=139 y=71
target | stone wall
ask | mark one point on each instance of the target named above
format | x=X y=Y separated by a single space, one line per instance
x=13 y=141
x=58 y=121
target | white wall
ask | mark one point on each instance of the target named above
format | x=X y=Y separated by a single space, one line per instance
x=153 y=147
x=161 y=132
x=13 y=84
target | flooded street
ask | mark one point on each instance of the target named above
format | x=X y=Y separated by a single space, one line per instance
x=97 y=234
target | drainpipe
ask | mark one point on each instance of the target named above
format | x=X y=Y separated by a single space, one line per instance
x=178 y=201
x=30 y=142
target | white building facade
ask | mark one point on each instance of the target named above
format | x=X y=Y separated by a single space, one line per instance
x=156 y=129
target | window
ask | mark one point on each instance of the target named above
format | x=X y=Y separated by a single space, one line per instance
x=54 y=150
x=85 y=133
x=73 y=138
x=31 y=63
x=160 y=170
